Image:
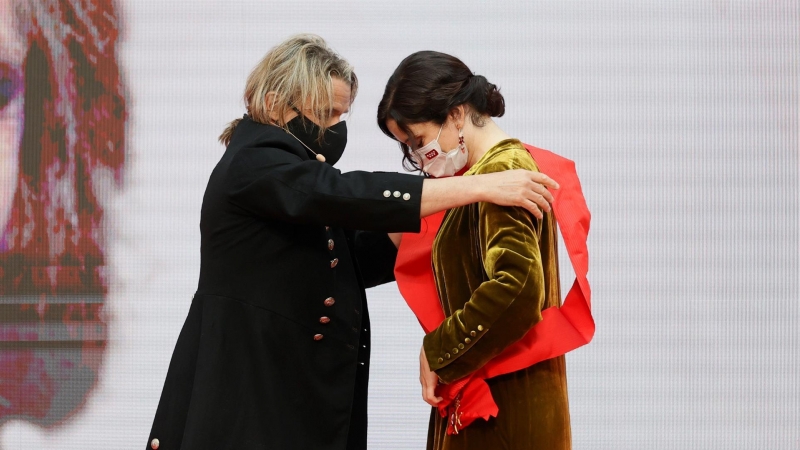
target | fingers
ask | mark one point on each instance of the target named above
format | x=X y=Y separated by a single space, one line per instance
x=545 y=180
x=541 y=201
x=525 y=198
x=546 y=196
x=534 y=189
x=429 y=394
x=429 y=380
x=539 y=186
x=429 y=390
x=533 y=208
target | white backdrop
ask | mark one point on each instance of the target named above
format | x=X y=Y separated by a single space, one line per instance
x=682 y=117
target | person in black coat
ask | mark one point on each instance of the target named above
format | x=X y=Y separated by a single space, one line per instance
x=274 y=353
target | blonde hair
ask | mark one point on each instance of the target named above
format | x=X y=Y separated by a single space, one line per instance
x=299 y=72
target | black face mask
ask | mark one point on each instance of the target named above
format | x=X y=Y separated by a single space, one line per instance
x=333 y=142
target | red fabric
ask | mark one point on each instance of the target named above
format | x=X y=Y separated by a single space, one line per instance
x=561 y=329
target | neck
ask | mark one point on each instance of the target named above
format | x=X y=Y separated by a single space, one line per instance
x=480 y=139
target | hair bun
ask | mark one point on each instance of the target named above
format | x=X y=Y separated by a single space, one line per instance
x=495 y=103
x=484 y=96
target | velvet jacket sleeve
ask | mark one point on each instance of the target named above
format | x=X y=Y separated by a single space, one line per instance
x=276 y=184
x=507 y=303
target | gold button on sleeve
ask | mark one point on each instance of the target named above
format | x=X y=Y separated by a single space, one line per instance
x=467 y=340
x=473 y=333
x=447 y=355
x=480 y=327
x=461 y=346
x=440 y=360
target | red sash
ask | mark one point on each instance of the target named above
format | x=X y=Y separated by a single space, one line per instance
x=561 y=329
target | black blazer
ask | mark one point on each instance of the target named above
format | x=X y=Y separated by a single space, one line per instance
x=274 y=353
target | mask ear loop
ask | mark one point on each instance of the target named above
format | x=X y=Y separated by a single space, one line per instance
x=317 y=156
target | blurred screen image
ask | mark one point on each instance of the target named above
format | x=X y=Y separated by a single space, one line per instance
x=62 y=116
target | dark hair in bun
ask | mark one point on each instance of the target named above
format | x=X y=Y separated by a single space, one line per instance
x=427 y=85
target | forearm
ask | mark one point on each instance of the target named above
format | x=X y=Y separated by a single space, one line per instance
x=470 y=353
x=519 y=187
x=447 y=193
x=499 y=313
x=279 y=186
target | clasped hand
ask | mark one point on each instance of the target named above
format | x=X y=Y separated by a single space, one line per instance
x=429 y=380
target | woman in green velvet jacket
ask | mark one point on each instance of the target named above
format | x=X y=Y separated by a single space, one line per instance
x=496 y=267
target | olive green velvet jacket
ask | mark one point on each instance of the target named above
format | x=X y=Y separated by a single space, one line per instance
x=496 y=269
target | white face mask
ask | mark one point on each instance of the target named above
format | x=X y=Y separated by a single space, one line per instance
x=435 y=162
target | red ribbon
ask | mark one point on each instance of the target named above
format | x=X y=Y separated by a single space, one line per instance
x=562 y=328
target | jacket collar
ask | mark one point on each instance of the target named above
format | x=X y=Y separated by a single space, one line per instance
x=250 y=134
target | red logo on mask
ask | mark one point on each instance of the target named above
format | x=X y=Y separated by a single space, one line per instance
x=431 y=154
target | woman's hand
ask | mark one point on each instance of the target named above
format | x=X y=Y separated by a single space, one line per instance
x=517 y=187
x=428 y=379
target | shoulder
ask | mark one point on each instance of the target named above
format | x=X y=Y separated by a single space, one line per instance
x=260 y=142
x=257 y=147
x=507 y=155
